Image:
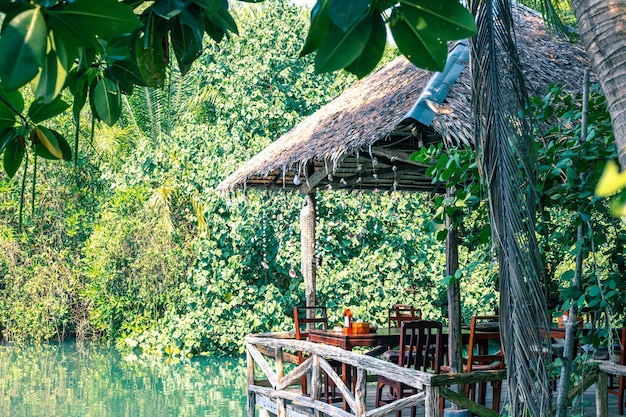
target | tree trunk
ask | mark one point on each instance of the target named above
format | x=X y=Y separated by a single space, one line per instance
x=603 y=32
x=307 y=242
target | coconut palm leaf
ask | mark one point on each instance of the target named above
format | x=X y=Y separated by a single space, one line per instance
x=504 y=153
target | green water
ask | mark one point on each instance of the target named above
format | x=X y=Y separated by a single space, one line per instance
x=62 y=380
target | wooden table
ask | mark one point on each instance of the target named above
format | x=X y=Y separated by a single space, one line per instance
x=348 y=341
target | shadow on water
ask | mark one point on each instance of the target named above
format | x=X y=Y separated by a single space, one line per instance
x=60 y=380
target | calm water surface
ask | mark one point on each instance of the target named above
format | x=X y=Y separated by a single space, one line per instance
x=62 y=380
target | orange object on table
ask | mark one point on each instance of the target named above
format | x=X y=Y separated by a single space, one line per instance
x=359 y=328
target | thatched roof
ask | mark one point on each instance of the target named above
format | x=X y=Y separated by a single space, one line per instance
x=363 y=138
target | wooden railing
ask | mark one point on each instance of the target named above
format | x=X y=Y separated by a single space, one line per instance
x=281 y=394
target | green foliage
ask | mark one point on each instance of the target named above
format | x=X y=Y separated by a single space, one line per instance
x=104 y=49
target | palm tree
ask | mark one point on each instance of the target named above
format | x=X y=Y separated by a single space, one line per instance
x=601 y=27
x=503 y=145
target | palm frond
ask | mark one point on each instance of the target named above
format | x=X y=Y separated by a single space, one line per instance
x=505 y=160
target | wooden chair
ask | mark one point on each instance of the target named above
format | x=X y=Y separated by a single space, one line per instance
x=480 y=359
x=422 y=346
x=402 y=312
x=621 y=381
x=305 y=319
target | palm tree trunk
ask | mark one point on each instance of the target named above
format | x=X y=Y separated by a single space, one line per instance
x=602 y=29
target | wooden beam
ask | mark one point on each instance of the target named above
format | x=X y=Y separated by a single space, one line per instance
x=311 y=181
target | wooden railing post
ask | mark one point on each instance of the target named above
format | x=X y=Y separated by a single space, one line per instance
x=431 y=404
x=602 y=395
x=316 y=381
x=359 y=391
x=251 y=395
x=280 y=372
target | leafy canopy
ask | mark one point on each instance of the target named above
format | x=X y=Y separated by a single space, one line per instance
x=99 y=50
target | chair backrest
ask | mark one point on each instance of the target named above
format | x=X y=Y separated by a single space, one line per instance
x=477 y=353
x=421 y=345
x=402 y=312
x=305 y=318
x=622 y=343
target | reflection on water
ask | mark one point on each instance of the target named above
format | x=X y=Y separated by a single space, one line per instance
x=60 y=380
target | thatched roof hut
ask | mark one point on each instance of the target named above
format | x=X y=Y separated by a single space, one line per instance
x=363 y=139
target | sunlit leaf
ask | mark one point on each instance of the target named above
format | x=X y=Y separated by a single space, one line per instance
x=48 y=140
x=82 y=21
x=52 y=145
x=341 y=48
x=40 y=111
x=611 y=180
x=319 y=29
x=51 y=79
x=106 y=101
x=13 y=156
x=373 y=51
x=345 y=13
x=22 y=48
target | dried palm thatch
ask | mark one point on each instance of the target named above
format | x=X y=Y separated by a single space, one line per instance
x=363 y=139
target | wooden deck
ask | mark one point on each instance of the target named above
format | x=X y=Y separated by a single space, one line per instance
x=274 y=388
x=585 y=406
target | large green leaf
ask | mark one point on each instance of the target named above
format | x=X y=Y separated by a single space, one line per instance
x=82 y=21
x=417 y=45
x=223 y=19
x=50 y=144
x=106 y=100
x=77 y=82
x=216 y=33
x=14 y=98
x=168 y=8
x=51 y=80
x=373 y=51
x=6 y=136
x=345 y=13
x=150 y=57
x=7 y=116
x=186 y=38
x=341 y=48
x=319 y=29
x=445 y=19
x=13 y=156
x=127 y=75
x=40 y=111
x=22 y=48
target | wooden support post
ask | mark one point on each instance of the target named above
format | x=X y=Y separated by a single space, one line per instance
x=280 y=373
x=602 y=395
x=359 y=392
x=307 y=242
x=455 y=357
x=251 y=395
